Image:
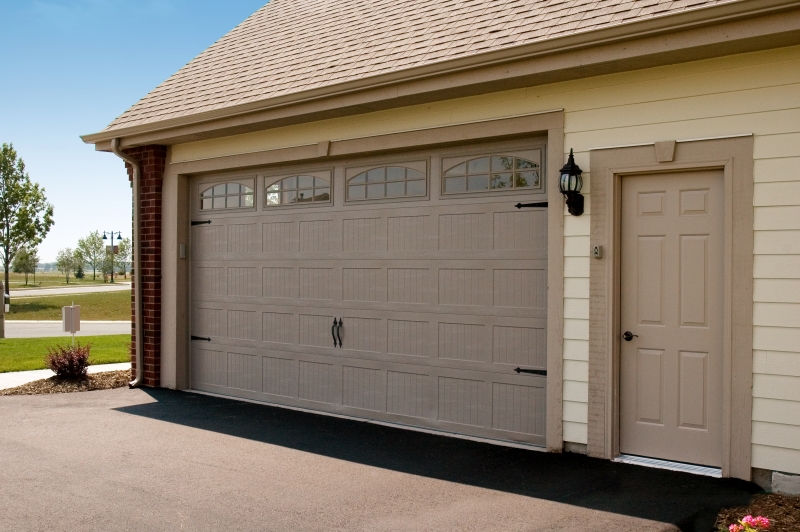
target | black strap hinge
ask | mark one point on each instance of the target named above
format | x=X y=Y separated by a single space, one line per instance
x=204 y=222
x=542 y=372
x=540 y=204
x=201 y=338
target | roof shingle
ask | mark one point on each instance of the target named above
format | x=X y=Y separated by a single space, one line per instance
x=290 y=46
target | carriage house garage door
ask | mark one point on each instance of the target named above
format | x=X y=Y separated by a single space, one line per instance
x=436 y=283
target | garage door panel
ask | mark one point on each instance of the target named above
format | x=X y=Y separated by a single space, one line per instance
x=456 y=400
x=492 y=342
x=440 y=300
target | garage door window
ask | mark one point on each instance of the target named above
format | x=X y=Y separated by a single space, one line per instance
x=226 y=196
x=387 y=182
x=495 y=172
x=298 y=189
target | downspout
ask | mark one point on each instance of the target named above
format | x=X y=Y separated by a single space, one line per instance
x=137 y=264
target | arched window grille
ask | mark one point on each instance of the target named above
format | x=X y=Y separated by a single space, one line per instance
x=387 y=182
x=495 y=172
x=226 y=196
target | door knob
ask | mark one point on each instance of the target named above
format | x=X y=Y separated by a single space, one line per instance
x=628 y=336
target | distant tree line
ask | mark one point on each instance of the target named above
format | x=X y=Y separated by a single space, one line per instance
x=93 y=254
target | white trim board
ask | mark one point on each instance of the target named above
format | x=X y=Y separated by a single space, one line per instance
x=672 y=466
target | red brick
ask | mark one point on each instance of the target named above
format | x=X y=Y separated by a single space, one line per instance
x=152 y=160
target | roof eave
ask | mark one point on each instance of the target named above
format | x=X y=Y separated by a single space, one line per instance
x=743 y=25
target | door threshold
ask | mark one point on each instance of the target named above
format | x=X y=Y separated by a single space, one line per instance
x=672 y=466
x=503 y=443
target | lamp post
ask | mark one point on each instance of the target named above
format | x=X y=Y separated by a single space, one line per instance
x=113 y=248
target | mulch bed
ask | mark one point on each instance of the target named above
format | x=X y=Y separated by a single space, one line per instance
x=782 y=511
x=96 y=381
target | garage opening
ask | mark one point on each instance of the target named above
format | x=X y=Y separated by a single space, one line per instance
x=403 y=288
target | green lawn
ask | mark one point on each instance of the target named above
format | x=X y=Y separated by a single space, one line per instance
x=103 y=306
x=16 y=281
x=23 y=354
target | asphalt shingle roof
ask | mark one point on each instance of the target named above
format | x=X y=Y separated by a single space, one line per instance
x=290 y=46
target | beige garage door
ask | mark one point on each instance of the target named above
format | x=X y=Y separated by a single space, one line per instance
x=671 y=299
x=435 y=282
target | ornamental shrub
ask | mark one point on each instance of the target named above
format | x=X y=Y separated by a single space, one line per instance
x=70 y=362
x=750 y=524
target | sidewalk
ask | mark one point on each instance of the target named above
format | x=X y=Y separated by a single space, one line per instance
x=67 y=290
x=48 y=328
x=18 y=378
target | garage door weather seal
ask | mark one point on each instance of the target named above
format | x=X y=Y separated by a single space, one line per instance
x=503 y=443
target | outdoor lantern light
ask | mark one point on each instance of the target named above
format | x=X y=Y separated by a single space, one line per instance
x=570 y=185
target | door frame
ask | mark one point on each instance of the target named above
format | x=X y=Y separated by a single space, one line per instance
x=734 y=156
x=546 y=124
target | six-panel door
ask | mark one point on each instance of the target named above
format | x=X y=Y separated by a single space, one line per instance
x=672 y=300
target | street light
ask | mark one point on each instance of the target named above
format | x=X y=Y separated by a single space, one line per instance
x=113 y=248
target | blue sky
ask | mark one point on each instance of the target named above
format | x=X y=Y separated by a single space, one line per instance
x=68 y=68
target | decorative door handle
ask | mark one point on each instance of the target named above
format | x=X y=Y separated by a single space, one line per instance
x=628 y=336
x=339 y=331
x=204 y=338
x=333 y=331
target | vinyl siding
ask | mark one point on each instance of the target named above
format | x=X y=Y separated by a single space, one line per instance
x=756 y=93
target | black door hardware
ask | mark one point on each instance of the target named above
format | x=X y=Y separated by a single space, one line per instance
x=201 y=338
x=540 y=204
x=204 y=222
x=628 y=336
x=336 y=331
x=542 y=372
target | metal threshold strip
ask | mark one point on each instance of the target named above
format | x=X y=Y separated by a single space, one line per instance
x=493 y=441
x=672 y=466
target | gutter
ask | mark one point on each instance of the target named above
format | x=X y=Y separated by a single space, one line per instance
x=137 y=264
x=728 y=11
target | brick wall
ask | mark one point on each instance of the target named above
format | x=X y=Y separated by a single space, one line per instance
x=152 y=160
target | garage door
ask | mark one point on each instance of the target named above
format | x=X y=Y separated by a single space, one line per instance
x=405 y=289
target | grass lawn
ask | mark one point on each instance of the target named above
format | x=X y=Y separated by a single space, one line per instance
x=23 y=354
x=16 y=281
x=103 y=306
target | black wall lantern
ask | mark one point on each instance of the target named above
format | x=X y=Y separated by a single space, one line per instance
x=570 y=185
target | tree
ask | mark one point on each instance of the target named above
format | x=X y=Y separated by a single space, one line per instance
x=67 y=261
x=124 y=255
x=93 y=251
x=25 y=215
x=25 y=261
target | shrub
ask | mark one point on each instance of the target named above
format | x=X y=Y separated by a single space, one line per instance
x=70 y=362
x=750 y=524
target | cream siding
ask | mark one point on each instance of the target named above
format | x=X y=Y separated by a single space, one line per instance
x=756 y=93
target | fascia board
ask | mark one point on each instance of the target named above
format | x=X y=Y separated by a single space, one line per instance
x=388 y=87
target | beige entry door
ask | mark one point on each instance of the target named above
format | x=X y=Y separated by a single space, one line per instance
x=672 y=305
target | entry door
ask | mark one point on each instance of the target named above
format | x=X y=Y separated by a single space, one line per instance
x=672 y=304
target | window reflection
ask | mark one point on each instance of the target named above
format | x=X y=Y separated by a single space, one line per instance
x=298 y=189
x=226 y=196
x=496 y=172
x=387 y=182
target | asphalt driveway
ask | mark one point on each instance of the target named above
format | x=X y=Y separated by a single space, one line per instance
x=162 y=460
